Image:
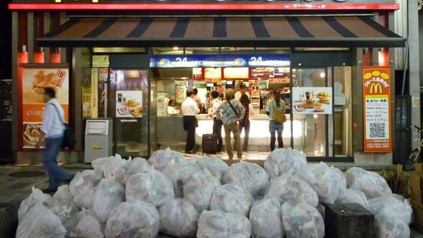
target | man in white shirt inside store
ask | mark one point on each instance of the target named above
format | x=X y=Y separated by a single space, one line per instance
x=189 y=110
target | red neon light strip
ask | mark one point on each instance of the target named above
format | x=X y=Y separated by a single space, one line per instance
x=170 y=6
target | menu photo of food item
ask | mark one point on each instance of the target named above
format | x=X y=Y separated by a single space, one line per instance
x=31 y=133
x=312 y=100
x=36 y=79
x=129 y=104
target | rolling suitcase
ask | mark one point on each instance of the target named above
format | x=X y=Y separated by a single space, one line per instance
x=209 y=143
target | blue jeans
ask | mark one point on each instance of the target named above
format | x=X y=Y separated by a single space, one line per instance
x=55 y=174
x=275 y=127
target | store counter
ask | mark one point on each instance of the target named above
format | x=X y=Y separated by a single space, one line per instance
x=170 y=131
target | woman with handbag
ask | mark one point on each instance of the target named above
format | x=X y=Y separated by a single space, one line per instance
x=275 y=126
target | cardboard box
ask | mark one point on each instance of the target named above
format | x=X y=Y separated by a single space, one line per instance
x=418 y=167
x=416 y=186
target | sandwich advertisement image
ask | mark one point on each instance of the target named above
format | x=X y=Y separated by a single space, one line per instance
x=128 y=103
x=34 y=80
x=312 y=100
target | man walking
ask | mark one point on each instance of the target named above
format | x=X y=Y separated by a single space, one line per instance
x=52 y=135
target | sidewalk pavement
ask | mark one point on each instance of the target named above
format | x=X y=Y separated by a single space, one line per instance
x=17 y=180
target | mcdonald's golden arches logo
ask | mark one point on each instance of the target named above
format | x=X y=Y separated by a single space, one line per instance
x=376 y=88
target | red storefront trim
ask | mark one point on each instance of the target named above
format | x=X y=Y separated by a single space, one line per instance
x=205 y=7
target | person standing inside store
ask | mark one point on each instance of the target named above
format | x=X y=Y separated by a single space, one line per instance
x=189 y=109
x=217 y=123
x=51 y=134
x=231 y=112
x=242 y=90
x=274 y=127
x=245 y=122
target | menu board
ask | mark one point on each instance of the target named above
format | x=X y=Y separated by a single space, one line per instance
x=129 y=104
x=197 y=74
x=236 y=73
x=377 y=110
x=34 y=80
x=213 y=75
x=312 y=100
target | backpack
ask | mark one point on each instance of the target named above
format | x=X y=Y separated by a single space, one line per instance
x=278 y=115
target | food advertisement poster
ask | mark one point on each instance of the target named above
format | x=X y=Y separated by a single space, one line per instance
x=377 y=110
x=34 y=80
x=128 y=103
x=180 y=92
x=312 y=100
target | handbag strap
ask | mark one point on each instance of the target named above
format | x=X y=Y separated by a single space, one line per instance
x=58 y=113
x=230 y=104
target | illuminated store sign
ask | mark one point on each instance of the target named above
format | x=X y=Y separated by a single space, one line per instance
x=178 y=61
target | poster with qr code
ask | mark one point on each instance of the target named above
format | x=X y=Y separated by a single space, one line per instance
x=377 y=109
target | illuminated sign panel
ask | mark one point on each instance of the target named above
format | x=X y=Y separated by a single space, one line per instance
x=377 y=109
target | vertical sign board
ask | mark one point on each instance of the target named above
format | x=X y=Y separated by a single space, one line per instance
x=33 y=82
x=377 y=109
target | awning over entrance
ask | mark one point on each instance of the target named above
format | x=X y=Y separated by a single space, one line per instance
x=315 y=31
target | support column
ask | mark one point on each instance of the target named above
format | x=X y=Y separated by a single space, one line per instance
x=414 y=66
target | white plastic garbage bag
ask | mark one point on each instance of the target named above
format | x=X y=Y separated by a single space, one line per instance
x=152 y=186
x=370 y=183
x=64 y=209
x=136 y=165
x=199 y=188
x=99 y=164
x=63 y=193
x=301 y=220
x=284 y=161
x=115 y=169
x=75 y=218
x=323 y=180
x=179 y=218
x=352 y=196
x=250 y=176
x=213 y=224
x=88 y=226
x=216 y=166
x=83 y=181
x=231 y=198
x=85 y=199
x=107 y=196
x=291 y=188
x=266 y=220
x=389 y=225
x=133 y=219
x=34 y=198
x=179 y=173
x=161 y=158
x=40 y=222
x=400 y=208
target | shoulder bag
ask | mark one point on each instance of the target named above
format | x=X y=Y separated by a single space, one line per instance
x=278 y=115
x=69 y=139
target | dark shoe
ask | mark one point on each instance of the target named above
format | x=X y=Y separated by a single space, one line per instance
x=49 y=190
x=190 y=151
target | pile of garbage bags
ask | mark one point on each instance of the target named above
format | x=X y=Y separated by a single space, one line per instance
x=204 y=197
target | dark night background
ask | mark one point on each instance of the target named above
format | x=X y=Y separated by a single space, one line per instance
x=5 y=41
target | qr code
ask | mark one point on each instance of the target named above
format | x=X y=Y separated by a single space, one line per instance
x=377 y=130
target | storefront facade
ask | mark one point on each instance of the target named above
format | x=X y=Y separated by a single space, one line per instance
x=333 y=62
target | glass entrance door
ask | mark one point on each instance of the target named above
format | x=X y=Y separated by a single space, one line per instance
x=322 y=111
x=128 y=103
